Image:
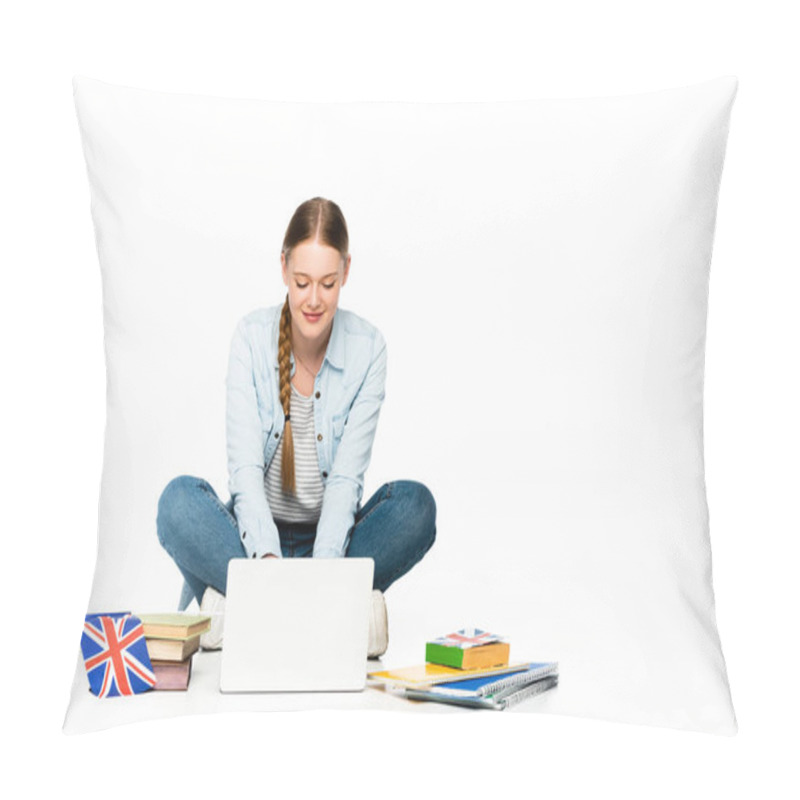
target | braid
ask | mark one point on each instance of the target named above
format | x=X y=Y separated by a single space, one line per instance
x=285 y=367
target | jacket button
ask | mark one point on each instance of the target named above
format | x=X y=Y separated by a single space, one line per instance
x=277 y=436
x=324 y=474
x=254 y=555
x=244 y=533
x=317 y=395
x=319 y=437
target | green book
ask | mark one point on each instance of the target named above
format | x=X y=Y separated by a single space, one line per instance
x=174 y=626
x=467 y=649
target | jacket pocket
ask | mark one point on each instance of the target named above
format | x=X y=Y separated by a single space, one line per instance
x=266 y=416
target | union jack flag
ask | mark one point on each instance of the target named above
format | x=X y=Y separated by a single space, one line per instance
x=115 y=654
x=468 y=637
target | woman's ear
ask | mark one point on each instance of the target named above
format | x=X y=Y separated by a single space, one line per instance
x=284 y=270
x=346 y=269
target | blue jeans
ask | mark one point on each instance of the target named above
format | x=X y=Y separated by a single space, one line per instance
x=395 y=529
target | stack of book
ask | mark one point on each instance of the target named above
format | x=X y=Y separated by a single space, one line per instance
x=471 y=668
x=172 y=640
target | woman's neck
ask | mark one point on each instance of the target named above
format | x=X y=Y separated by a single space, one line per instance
x=311 y=351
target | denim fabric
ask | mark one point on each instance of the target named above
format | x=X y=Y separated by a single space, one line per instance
x=348 y=393
x=395 y=528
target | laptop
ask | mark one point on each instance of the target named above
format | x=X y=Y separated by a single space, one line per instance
x=296 y=624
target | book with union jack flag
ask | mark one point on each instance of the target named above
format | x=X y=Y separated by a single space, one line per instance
x=467 y=648
x=115 y=654
x=467 y=637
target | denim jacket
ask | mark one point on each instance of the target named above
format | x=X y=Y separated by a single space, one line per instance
x=348 y=393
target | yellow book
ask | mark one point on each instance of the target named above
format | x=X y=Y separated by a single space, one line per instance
x=430 y=674
x=487 y=655
x=172 y=649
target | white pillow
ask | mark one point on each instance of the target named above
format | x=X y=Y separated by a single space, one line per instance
x=539 y=269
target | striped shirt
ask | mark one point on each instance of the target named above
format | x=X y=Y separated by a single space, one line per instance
x=306 y=505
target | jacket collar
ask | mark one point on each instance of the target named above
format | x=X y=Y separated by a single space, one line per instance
x=335 y=352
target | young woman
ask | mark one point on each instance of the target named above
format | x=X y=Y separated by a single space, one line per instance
x=304 y=390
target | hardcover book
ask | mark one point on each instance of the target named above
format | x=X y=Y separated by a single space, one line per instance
x=172 y=675
x=174 y=626
x=468 y=648
x=172 y=649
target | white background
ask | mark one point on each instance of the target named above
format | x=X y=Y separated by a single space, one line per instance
x=54 y=384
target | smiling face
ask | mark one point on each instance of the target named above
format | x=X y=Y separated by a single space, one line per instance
x=314 y=274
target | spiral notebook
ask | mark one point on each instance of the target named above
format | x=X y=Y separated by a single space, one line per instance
x=498 y=701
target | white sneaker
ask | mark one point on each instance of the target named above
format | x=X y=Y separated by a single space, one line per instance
x=378 y=626
x=213 y=605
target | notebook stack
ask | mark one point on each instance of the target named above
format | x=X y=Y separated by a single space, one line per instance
x=172 y=640
x=471 y=668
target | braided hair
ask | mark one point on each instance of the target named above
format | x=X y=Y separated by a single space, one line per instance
x=284 y=370
x=319 y=220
